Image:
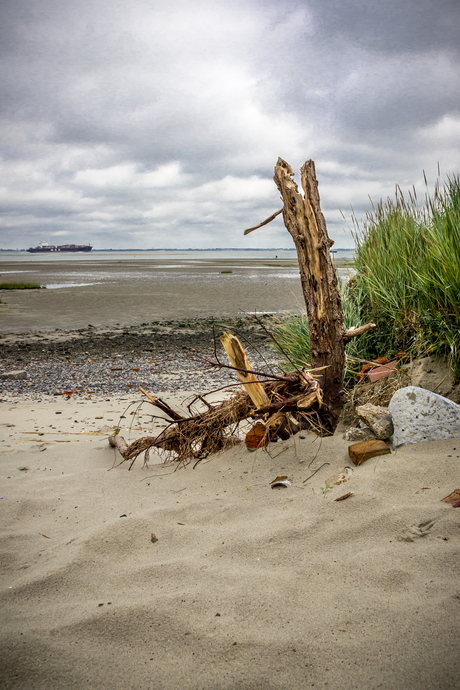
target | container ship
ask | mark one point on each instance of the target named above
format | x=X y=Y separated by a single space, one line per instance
x=45 y=248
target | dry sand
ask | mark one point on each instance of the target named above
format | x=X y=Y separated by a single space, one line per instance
x=247 y=587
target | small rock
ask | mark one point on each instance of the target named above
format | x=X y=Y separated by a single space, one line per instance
x=377 y=419
x=420 y=415
x=15 y=374
x=359 y=434
x=360 y=452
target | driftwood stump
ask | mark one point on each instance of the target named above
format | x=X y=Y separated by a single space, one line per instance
x=306 y=224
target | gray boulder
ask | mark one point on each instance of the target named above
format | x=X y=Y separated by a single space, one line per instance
x=378 y=419
x=420 y=415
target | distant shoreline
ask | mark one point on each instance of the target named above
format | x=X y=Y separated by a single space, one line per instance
x=195 y=249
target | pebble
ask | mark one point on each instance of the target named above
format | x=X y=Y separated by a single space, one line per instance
x=109 y=365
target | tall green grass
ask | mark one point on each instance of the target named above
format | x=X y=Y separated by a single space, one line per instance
x=407 y=264
x=407 y=280
x=293 y=338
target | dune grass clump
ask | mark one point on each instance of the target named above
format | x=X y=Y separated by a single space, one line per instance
x=20 y=286
x=407 y=281
x=407 y=265
x=293 y=340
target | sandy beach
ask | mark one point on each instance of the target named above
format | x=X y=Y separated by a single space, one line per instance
x=246 y=587
x=241 y=585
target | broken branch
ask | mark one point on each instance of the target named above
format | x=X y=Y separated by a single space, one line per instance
x=352 y=332
x=265 y=222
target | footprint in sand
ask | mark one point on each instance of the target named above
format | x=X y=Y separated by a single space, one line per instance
x=417 y=531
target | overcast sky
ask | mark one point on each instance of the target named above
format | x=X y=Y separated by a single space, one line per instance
x=158 y=124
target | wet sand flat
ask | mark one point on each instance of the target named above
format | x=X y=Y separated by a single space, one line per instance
x=131 y=291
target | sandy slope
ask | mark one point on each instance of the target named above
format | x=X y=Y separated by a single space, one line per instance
x=246 y=587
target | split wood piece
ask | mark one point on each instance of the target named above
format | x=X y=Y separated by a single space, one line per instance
x=277 y=425
x=360 y=452
x=239 y=361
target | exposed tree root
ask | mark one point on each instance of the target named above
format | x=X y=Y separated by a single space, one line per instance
x=282 y=404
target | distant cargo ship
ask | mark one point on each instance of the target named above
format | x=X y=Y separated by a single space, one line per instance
x=45 y=248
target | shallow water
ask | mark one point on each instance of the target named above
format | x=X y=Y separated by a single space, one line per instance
x=120 y=288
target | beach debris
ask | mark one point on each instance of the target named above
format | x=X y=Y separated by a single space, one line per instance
x=420 y=415
x=377 y=369
x=453 y=499
x=347 y=495
x=382 y=371
x=153 y=538
x=15 y=374
x=360 y=452
x=358 y=434
x=369 y=366
x=309 y=398
x=377 y=419
x=279 y=482
x=257 y=436
x=340 y=478
x=44 y=535
x=211 y=430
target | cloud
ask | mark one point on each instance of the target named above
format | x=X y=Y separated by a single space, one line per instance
x=163 y=123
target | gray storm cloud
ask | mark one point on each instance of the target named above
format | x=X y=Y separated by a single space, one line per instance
x=158 y=125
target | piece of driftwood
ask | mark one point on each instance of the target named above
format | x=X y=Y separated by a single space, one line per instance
x=264 y=222
x=305 y=222
x=282 y=404
x=239 y=361
x=213 y=429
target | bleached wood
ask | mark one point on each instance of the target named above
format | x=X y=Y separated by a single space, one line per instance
x=238 y=359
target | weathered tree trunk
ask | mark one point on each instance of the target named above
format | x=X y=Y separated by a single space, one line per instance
x=305 y=222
